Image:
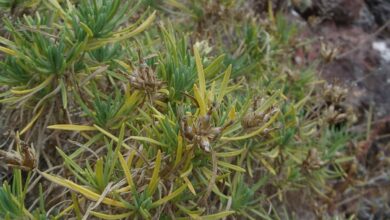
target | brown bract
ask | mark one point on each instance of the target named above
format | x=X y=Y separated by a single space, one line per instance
x=201 y=132
x=25 y=160
x=255 y=118
x=144 y=78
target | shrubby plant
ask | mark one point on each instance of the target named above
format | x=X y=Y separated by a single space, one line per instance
x=137 y=119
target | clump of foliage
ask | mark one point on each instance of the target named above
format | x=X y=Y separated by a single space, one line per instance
x=123 y=118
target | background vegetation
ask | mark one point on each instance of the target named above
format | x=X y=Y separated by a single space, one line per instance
x=167 y=110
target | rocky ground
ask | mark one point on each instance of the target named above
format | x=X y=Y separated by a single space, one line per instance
x=353 y=39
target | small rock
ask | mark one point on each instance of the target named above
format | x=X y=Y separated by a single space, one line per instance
x=381 y=11
x=383 y=48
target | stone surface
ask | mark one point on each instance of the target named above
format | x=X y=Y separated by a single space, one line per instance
x=343 y=12
x=380 y=9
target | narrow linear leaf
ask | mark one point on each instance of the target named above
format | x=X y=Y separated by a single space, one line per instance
x=212 y=69
x=231 y=166
x=45 y=83
x=231 y=153
x=82 y=190
x=122 y=36
x=224 y=84
x=187 y=172
x=232 y=113
x=86 y=29
x=155 y=178
x=69 y=127
x=8 y=51
x=110 y=216
x=64 y=94
x=179 y=149
x=268 y=166
x=200 y=70
x=169 y=197
x=126 y=170
x=99 y=174
x=201 y=101
x=30 y=124
x=189 y=185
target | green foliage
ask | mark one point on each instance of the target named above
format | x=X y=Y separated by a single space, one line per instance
x=166 y=124
x=177 y=65
x=52 y=55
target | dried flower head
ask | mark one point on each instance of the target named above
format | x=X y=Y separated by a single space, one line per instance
x=312 y=161
x=333 y=115
x=144 y=78
x=334 y=94
x=25 y=160
x=255 y=118
x=201 y=132
x=328 y=52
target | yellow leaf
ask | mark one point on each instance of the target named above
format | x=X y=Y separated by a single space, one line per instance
x=6 y=42
x=30 y=124
x=189 y=185
x=122 y=36
x=187 y=172
x=68 y=209
x=69 y=127
x=232 y=113
x=7 y=100
x=231 y=153
x=86 y=29
x=272 y=154
x=155 y=177
x=224 y=84
x=45 y=83
x=211 y=70
x=99 y=172
x=180 y=6
x=196 y=212
x=210 y=93
x=231 y=166
x=179 y=149
x=293 y=157
x=111 y=216
x=76 y=205
x=57 y=6
x=200 y=70
x=82 y=190
x=201 y=101
x=131 y=157
x=268 y=166
x=108 y=134
x=170 y=196
x=64 y=94
x=271 y=13
x=123 y=189
x=138 y=30
x=126 y=169
x=124 y=65
x=130 y=103
x=8 y=51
